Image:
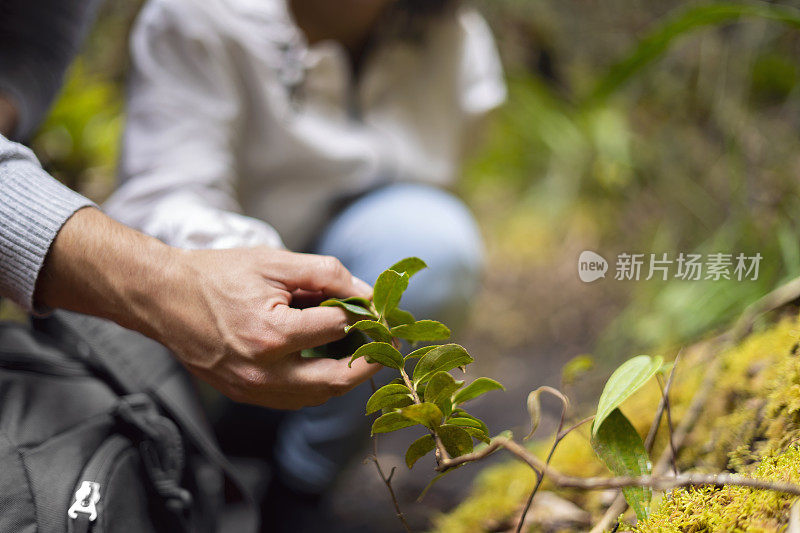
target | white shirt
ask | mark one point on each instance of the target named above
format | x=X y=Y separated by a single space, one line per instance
x=238 y=132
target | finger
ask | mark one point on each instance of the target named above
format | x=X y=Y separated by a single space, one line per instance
x=336 y=375
x=308 y=328
x=316 y=273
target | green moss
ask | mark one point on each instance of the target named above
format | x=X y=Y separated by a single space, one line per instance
x=749 y=425
x=729 y=508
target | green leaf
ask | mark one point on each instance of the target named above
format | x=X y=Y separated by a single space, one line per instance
x=420 y=352
x=423 y=330
x=388 y=290
x=419 y=448
x=409 y=265
x=389 y=396
x=625 y=380
x=477 y=434
x=475 y=389
x=358 y=306
x=441 y=384
x=391 y=422
x=424 y=413
x=470 y=423
x=375 y=330
x=380 y=352
x=441 y=358
x=397 y=317
x=620 y=447
x=456 y=441
x=440 y=389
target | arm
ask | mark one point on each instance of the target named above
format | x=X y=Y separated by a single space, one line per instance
x=178 y=163
x=225 y=314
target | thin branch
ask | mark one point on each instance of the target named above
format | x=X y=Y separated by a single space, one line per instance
x=386 y=480
x=674 y=454
x=558 y=437
x=602 y=483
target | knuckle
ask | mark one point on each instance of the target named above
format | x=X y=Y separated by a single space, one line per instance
x=332 y=266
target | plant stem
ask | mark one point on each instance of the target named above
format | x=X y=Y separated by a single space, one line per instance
x=441 y=452
x=602 y=483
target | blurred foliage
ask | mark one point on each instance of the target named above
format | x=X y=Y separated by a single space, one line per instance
x=684 y=142
x=651 y=127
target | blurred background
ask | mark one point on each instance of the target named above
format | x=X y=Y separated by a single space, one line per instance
x=632 y=126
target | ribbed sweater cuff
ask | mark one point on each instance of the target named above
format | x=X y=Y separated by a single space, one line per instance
x=33 y=208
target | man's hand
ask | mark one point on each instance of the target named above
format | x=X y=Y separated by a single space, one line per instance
x=226 y=314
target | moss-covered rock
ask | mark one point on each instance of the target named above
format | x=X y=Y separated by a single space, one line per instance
x=750 y=424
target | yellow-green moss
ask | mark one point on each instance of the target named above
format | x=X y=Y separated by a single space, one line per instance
x=729 y=508
x=750 y=425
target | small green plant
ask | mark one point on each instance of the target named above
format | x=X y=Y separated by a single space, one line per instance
x=427 y=396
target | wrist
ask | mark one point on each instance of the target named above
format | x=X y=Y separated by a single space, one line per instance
x=100 y=267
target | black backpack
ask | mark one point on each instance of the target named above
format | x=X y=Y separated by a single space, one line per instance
x=101 y=430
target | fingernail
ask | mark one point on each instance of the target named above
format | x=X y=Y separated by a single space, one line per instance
x=362 y=286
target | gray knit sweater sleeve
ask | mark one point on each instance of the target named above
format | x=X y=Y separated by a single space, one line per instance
x=33 y=207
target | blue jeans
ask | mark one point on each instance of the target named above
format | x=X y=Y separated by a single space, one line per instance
x=370 y=235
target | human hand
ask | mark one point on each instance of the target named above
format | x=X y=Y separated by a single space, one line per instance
x=237 y=328
x=227 y=315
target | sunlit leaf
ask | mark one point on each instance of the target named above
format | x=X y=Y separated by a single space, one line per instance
x=419 y=448
x=441 y=358
x=380 y=352
x=625 y=380
x=440 y=389
x=409 y=265
x=475 y=389
x=397 y=317
x=419 y=352
x=375 y=330
x=389 y=396
x=391 y=422
x=422 y=330
x=456 y=441
x=424 y=413
x=388 y=290
x=620 y=447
